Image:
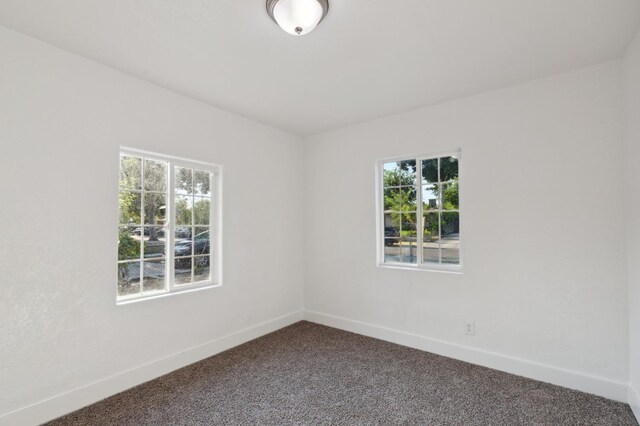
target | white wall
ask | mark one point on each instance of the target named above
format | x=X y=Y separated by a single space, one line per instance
x=632 y=137
x=62 y=120
x=543 y=230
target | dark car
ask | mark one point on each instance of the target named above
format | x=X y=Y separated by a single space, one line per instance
x=200 y=247
x=183 y=232
x=391 y=232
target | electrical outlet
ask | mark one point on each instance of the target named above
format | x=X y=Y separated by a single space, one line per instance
x=470 y=328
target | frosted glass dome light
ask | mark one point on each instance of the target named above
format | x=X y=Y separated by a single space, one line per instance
x=297 y=17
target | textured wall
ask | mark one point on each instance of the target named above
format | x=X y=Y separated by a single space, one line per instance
x=632 y=134
x=62 y=120
x=543 y=228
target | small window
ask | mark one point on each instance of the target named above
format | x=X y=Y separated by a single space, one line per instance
x=419 y=212
x=169 y=225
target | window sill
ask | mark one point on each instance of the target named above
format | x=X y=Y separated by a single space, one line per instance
x=453 y=269
x=159 y=295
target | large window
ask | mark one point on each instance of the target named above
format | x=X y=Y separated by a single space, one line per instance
x=169 y=225
x=419 y=212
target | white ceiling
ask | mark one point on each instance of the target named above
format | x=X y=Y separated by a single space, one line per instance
x=367 y=59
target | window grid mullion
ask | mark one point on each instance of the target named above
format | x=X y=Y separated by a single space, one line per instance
x=142 y=214
x=381 y=220
x=440 y=237
x=213 y=242
x=171 y=219
x=193 y=224
x=419 y=219
x=441 y=202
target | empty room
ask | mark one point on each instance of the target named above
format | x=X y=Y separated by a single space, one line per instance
x=320 y=212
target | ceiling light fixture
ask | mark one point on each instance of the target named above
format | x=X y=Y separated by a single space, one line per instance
x=297 y=17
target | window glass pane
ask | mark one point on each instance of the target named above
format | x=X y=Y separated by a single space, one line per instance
x=391 y=167
x=450 y=223
x=408 y=168
x=184 y=181
x=450 y=241
x=400 y=199
x=130 y=172
x=450 y=196
x=155 y=175
x=128 y=278
x=154 y=241
x=392 y=199
x=201 y=209
x=128 y=244
x=392 y=233
x=431 y=226
x=392 y=250
x=184 y=210
x=409 y=251
x=430 y=171
x=392 y=220
x=430 y=197
x=183 y=247
x=431 y=238
x=392 y=237
x=390 y=242
x=182 y=271
x=392 y=247
x=201 y=240
x=202 y=182
x=430 y=252
x=408 y=226
x=130 y=207
x=399 y=174
x=153 y=275
x=202 y=269
x=182 y=233
x=448 y=168
x=155 y=208
x=408 y=239
x=409 y=198
x=451 y=251
x=431 y=229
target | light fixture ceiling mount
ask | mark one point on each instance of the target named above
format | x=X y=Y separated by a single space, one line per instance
x=297 y=17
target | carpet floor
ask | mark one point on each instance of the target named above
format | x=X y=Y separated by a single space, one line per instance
x=308 y=374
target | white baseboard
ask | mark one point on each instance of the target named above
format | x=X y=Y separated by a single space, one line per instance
x=59 y=405
x=546 y=373
x=634 y=402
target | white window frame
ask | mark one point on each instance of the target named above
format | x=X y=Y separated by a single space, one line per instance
x=379 y=197
x=215 y=227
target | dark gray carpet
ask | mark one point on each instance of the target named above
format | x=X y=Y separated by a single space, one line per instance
x=310 y=374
